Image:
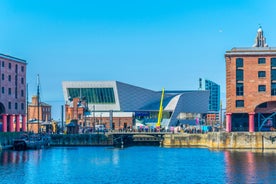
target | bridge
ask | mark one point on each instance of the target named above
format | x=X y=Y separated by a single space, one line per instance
x=121 y=139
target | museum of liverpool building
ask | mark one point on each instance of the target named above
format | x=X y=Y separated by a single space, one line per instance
x=118 y=106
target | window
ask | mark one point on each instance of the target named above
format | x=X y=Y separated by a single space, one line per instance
x=15 y=106
x=3 y=90
x=15 y=92
x=3 y=76
x=273 y=74
x=9 y=91
x=9 y=105
x=239 y=75
x=22 y=106
x=273 y=62
x=9 y=77
x=239 y=103
x=22 y=68
x=22 y=80
x=273 y=89
x=22 y=93
x=16 y=68
x=9 y=65
x=239 y=62
x=261 y=88
x=239 y=89
x=261 y=74
x=261 y=60
x=3 y=63
x=94 y=95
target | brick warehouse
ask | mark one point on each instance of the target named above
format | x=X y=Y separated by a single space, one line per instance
x=13 y=93
x=251 y=87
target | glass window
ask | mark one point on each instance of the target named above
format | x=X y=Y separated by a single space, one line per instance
x=239 y=75
x=261 y=60
x=22 y=93
x=239 y=62
x=9 y=105
x=239 y=103
x=22 y=68
x=261 y=88
x=9 y=91
x=273 y=74
x=273 y=89
x=22 y=80
x=3 y=76
x=16 y=68
x=9 y=77
x=9 y=65
x=3 y=63
x=22 y=106
x=3 y=90
x=239 y=89
x=93 y=95
x=273 y=62
x=261 y=74
x=15 y=92
x=15 y=106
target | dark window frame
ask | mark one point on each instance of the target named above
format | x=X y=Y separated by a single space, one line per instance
x=239 y=62
x=261 y=88
x=261 y=60
x=239 y=103
x=261 y=74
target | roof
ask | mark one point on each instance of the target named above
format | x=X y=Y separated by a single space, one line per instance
x=40 y=104
x=12 y=58
x=251 y=51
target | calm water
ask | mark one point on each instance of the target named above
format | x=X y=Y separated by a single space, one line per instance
x=136 y=165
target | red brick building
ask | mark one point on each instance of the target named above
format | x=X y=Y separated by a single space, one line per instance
x=44 y=114
x=77 y=110
x=251 y=87
x=13 y=93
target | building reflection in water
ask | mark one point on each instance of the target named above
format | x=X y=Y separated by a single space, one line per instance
x=16 y=157
x=249 y=166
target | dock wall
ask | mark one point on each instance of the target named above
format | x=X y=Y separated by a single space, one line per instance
x=6 y=139
x=223 y=140
x=212 y=140
x=81 y=140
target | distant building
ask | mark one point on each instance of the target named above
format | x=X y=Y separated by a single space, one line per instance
x=251 y=87
x=214 y=100
x=44 y=114
x=13 y=93
x=119 y=105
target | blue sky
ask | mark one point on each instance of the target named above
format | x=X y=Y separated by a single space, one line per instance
x=147 y=43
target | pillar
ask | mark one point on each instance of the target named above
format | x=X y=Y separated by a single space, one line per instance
x=251 y=122
x=228 y=122
x=17 y=127
x=24 y=123
x=5 y=125
x=11 y=123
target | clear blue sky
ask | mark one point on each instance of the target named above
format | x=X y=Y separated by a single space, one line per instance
x=147 y=43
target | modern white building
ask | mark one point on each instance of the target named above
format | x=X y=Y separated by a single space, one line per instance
x=179 y=107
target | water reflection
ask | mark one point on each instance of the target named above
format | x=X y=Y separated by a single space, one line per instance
x=17 y=157
x=249 y=166
x=154 y=164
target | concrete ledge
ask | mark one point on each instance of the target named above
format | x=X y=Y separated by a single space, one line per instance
x=223 y=140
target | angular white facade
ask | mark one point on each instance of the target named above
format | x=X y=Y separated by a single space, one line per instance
x=121 y=97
